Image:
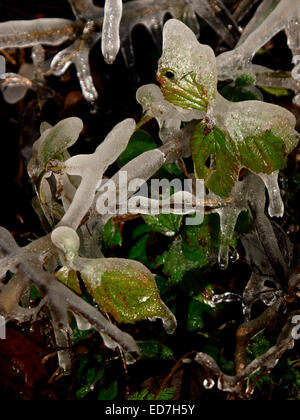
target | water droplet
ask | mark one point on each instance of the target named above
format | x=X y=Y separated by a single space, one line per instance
x=208 y=383
x=223 y=263
x=234 y=256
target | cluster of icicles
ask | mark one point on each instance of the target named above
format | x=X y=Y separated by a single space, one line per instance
x=114 y=25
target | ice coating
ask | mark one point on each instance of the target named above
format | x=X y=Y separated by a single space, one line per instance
x=14 y=87
x=124 y=288
x=110 y=31
x=91 y=169
x=262 y=274
x=271 y=18
x=187 y=70
x=148 y=13
x=276 y=206
x=252 y=134
x=21 y=34
x=78 y=54
x=245 y=194
x=59 y=299
x=53 y=140
x=168 y=116
x=85 y=9
x=249 y=118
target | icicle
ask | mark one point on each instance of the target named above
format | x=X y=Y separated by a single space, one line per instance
x=110 y=30
x=276 y=206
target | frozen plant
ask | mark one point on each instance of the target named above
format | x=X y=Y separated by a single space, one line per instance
x=238 y=149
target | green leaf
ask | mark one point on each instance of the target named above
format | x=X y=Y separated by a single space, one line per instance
x=140 y=142
x=108 y=393
x=206 y=143
x=203 y=240
x=155 y=350
x=278 y=92
x=197 y=247
x=165 y=395
x=34 y=293
x=196 y=315
x=129 y=295
x=186 y=92
x=167 y=224
x=261 y=153
x=140 y=230
x=242 y=89
x=139 y=251
x=244 y=224
x=175 y=264
x=89 y=375
x=69 y=278
x=111 y=235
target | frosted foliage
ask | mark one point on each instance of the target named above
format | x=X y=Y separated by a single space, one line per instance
x=91 y=169
x=27 y=264
x=92 y=270
x=110 y=31
x=184 y=55
x=53 y=140
x=273 y=17
x=248 y=118
x=168 y=116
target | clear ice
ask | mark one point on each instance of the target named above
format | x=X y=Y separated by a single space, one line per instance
x=111 y=29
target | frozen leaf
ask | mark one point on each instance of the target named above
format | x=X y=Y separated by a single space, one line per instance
x=168 y=224
x=128 y=295
x=124 y=289
x=69 y=278
x=258 y=137
x=53 y=141
x=242 y=89
x=187 y=70
x=168 y=116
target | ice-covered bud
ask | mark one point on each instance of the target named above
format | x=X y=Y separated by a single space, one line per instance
x=67 y=240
